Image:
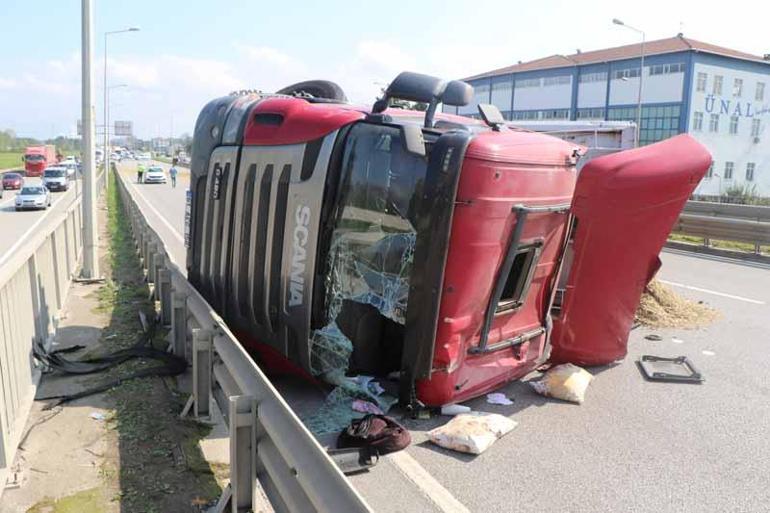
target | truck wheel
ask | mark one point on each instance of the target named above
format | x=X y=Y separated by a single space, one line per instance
x=317 y=89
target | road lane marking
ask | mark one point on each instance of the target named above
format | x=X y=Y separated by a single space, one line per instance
x=714 y=292
x=157 y=213
x=427 y=484
x=29 y=230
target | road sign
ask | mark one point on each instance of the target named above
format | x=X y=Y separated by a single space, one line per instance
x=123 y=128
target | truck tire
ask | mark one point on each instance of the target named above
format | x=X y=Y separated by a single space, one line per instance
x=317 y=89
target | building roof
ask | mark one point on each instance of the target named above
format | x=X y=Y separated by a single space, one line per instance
x=661 y=46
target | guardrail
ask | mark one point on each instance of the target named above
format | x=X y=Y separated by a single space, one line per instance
x=268 y=442
x=34 y=281
x=723 y=221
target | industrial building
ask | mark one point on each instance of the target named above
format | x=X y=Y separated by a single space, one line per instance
x=718 y=95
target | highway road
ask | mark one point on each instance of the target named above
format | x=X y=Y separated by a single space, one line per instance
x=17 y=226
x=633 y=446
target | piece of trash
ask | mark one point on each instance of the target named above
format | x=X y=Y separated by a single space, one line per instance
x=112 y=336
x=567 y=382
x=678 y=369
x=367 y=383
x=454 y=409
x=677 y=340
x=653 y=336
x=708 y=353
x=362 y=406
x=97 y=415
x=472 y=432
x=394 y=376
x=498 y=398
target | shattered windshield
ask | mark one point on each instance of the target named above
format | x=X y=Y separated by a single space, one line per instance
x=372 y=243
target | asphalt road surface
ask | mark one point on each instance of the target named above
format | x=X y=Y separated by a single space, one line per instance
x=633 y=446
x=17 y=226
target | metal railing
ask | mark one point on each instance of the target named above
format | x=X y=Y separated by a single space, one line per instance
x=268 y=442
x=34 y=281
x=723 y=221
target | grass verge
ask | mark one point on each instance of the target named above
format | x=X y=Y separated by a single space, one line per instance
x=11 y=160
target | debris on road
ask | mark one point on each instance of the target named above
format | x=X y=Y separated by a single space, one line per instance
x=454 y=409
x=379 y=434
x=362 y=406
x=97 y=415
x=661 y=307
x=676 y=370
x=498 y=398
x=472 y=433
x=567 y=382
x=654 y=337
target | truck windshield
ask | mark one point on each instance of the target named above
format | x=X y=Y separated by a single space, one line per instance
x=54 y=173
x=371 y=245
x=34 y=158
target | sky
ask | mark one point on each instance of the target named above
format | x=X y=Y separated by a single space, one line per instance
x=189 y=52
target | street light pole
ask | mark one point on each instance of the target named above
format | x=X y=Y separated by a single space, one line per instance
x=641 y=79
x=90 y=261
x=106 y=100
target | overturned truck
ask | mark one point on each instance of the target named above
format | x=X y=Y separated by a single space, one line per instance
x=459 y=253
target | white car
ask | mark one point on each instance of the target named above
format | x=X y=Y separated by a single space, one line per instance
x=154 y=174
x=56 y=178
x=72 y=169
x=33 y=197
x=145 y=156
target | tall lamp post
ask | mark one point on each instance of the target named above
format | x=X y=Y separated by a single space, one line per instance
x=90 y=261
x=107 y=120
x=641 y=78
x=106 y=99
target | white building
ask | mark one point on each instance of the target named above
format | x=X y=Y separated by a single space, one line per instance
x=719 y=96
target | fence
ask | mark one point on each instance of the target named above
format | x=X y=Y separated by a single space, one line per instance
x=268 y=442
x=34 y=280
x=722 y=221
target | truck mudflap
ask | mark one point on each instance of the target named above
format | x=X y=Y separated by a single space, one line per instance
x=624 y=207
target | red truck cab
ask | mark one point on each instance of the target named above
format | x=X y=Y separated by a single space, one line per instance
x=37 y=158
x=339 y=240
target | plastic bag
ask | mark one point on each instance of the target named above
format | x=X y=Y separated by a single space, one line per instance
x=472 y=433
x=566 y=382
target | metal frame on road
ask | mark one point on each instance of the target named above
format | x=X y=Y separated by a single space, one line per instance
x=269 y=445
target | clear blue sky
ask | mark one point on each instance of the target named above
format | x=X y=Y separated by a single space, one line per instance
x=188 y=52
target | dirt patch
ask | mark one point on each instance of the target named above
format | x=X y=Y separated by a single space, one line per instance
x=661 y=307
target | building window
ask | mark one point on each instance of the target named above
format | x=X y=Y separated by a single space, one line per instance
x=555 y=114
x=738 y=87
x=502 y=94
x=717 y=85
x=750 y=171
x=729 y=170
x=657 y=123
x=759 y=95
x=597 y=113
x=559 y=80
x=714 y=123
x=626 y=73
x=701 y=83
x=697 y=121
x=733 y=125
x=664 y=69
x=710 y=172
x=527 y=82
x=525 y=115
x=755 y=126
x=599 y=76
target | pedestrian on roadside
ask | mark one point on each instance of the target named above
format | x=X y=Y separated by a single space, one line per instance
x=139 y=173
x=172 y=172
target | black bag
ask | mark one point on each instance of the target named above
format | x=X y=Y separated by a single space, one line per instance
x=378 y=434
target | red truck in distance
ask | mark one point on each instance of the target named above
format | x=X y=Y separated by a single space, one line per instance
x=37 y=158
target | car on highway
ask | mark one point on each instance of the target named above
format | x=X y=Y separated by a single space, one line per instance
x=56 y=178
x=13 y=180
x=145 y=156
x=72 y=169
x=155 y=174
x=34 y=197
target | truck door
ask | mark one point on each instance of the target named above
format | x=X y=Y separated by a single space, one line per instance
x=624 y=207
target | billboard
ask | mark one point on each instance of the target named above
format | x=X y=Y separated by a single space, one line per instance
x=123 y=128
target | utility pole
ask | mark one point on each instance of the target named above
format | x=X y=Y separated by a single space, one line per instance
x=90 y=259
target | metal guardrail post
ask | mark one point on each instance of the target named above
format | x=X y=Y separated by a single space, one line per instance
x=202 y=369
x=179 y=323
x=164 y=295
x=243 y=445
x=152 y=255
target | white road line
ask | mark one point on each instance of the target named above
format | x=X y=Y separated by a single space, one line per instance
x=432 y=489
x=157 y=213
x=714 y=292
x=23 y=236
